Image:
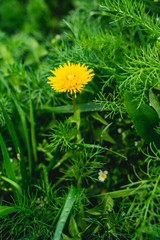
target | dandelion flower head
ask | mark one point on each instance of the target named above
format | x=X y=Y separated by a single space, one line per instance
x=70 y=78
x=102 y=175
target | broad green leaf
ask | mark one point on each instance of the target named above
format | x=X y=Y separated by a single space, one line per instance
x=73 y=228
x=65 y=237
x=154 y=102
x=144 y=118
x=98 y=117
x=5 y=210
x=76 y=118
x=96 y=211
x=65 y=212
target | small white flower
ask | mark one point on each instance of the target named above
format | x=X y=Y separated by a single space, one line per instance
x=9 y=149
x=57 y=36
x=11 y=159
x=102 y=175
x=119 y=130
x=135 y=144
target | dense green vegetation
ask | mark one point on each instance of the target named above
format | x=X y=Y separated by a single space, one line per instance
x=51 y=156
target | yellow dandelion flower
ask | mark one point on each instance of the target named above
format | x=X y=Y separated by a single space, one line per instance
x=70 y=78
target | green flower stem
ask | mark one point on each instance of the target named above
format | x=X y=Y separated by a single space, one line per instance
x=74 y=103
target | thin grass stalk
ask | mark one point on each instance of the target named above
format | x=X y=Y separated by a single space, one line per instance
x=33 y=136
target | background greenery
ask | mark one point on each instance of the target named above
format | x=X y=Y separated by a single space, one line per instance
x=50 y=156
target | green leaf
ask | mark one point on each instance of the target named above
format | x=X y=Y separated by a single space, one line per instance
x=9 y=171
x=65 y=237
x=7 y=163
x=101 y=135
x=120 y=193
x=99 y=118
x=97 y=210
x=105 y=135
x=73 y=229
x=17 y=145
x=154 y=102
x=5 y=54
x=84 y=107
x=11 y=129
x=65 y=212
x=5 y=210
x=75 y=118
x=105 y=206
x=144 y=118
x=36 y=52
x=13 y=184
x=24 y=124
x=108 y=203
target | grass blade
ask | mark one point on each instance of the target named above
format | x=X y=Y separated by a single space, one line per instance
x=33 y=136
x=84 y=107
x=5 y=210
x=65 y=212
x=13 y=183
x=121 y=193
